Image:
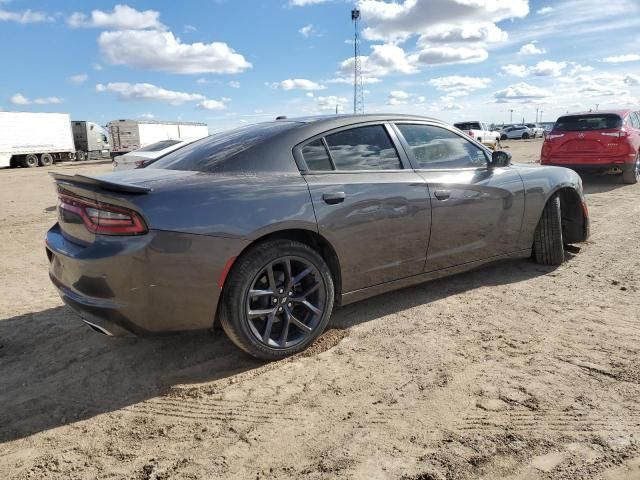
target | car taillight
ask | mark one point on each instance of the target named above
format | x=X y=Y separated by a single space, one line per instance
x=102 y=218
x=619 y=134
x=551 y=136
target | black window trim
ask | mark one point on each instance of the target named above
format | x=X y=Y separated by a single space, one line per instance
x=304 y=170
x=413 y=161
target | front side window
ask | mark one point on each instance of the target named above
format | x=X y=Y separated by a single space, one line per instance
x=363 y=148
x=436 y=147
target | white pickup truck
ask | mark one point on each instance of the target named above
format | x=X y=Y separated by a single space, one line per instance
x=479 y=131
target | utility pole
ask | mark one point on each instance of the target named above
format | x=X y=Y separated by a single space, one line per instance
x=358 y=91
x=537 y=109
x=540 y=116
x=511 y=117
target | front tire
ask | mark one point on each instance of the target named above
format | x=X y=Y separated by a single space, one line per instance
x=503 y=137
x=525 y=136
x=548 y=243
x=632 y=175
x=277 y=299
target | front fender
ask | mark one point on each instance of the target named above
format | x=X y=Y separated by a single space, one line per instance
x=541 y=183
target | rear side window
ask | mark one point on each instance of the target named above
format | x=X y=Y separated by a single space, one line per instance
x=363 y=148
x=156 y=147
x=436 y=147
x=467 y=126
x=316 y=156
x=210 y=153
x=635 y=119
x=581 y=123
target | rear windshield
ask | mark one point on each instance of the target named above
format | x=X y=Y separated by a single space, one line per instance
x=580 y=123
x=156 y=147
x=208 y=154
x=468 y=126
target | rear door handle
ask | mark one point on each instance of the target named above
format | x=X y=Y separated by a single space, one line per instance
x=442 y=194
x=333 y=198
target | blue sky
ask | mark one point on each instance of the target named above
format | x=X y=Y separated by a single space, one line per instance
x=229 y=62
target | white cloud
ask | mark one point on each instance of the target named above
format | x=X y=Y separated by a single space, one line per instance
x=307 y=31
x=297 y=84
x=456 y=84
x=330 y=102
x=79 y=79
x=452 y=106
x=448 y=55
x=393 y=20
x=398 y=97
x=521 y=93
x=97 y=67
x=154 y=50
x=212 y=105
x=632 y=57
x=548 y=68
x=446 y=33
x=545 y=10
x=531 y=49
x=304 y=3
x=233 y=83
x=383 y=60
x=190 y=29
x=148 y=92
x=148 y=116
x=515 y=70
x=545 y=68
x=20 y=99
x=577 y=69
x=123 y=17
x=25 y=16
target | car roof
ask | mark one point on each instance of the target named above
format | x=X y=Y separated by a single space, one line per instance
x=350 y=118
x=621 y=112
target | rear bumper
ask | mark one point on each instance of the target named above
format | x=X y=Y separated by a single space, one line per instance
x=595 y=165
x=161 y=282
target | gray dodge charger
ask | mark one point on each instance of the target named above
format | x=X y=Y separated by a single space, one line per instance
x=267 y=227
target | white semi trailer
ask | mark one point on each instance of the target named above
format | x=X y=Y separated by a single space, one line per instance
x=128 y=135
x=33 y=139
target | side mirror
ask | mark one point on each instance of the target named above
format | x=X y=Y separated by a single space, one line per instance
x=500 y=158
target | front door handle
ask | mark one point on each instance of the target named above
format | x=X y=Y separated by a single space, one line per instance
x=442 y=194
x=333 y=198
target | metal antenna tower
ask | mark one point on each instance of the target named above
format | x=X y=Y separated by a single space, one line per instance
x=358 y=90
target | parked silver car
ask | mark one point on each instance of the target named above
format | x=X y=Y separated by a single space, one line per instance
x=516 y=132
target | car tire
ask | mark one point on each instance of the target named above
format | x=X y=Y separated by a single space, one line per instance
x=80 y=156
x=30 y=161
x=525 y=136
x=503 y=137
x=246 y=299
x=46 y=160
x=632 y=175
x=548 y=242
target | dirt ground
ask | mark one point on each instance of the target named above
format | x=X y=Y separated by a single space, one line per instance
x=514 y=371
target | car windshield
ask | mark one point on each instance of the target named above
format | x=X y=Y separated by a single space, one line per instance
x=156 y=147
x=467 y=126
x=580 y=123
x=207 y=154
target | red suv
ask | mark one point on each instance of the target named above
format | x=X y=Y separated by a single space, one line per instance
x=597 y=142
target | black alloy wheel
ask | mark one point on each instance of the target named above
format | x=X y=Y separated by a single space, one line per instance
x=277 y=299
x=285 y=302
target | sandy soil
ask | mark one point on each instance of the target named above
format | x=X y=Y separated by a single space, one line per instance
x=514 y=371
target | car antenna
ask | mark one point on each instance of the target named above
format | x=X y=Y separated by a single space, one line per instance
x=281 y=117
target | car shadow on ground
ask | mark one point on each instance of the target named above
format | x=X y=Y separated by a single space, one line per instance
x=55 y=371
x=593 y=183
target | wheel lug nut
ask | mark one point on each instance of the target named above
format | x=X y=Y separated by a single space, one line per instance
x=281 y=291
x=289 y=304
x=280 y=309
x=275 y=300
x=290 y=294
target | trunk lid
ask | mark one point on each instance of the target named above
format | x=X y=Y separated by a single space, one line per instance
x=116 y=191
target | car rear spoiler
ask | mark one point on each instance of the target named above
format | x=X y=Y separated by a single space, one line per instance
x=103 y=184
